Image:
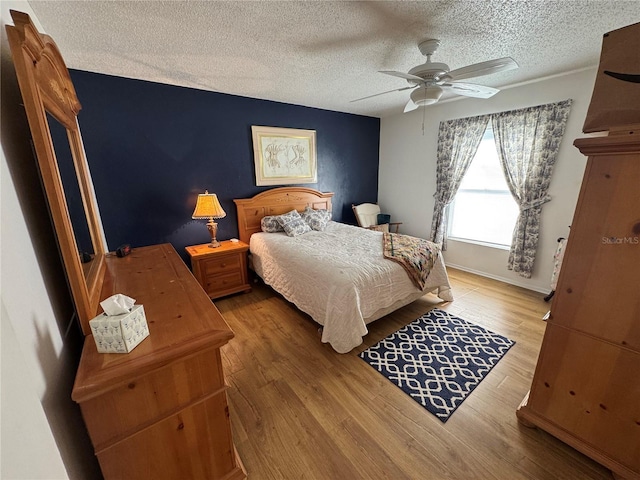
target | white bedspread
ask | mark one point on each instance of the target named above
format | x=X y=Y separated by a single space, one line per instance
x=340 y=278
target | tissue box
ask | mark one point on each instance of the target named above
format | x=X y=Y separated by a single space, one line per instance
x=119 y=333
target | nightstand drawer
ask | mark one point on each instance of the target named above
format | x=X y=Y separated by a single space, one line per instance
x=216 y=284
x=221 y=265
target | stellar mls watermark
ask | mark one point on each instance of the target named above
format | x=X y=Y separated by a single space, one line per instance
x=620 y=240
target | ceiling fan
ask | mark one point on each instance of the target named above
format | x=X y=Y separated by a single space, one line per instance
x=431 y=79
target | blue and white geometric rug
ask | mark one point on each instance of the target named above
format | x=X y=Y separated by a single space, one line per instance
x=438 y=359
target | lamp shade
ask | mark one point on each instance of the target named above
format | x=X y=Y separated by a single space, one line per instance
x=208 y=206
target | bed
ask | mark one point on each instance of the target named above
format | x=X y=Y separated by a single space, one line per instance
x=338 y=275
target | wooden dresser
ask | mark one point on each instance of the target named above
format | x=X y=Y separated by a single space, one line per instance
x=586 y=387
x=160 y=411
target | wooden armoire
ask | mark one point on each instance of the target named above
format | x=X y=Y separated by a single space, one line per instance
x=586 y=386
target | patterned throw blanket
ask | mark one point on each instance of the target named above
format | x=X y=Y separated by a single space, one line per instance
x=416 y=255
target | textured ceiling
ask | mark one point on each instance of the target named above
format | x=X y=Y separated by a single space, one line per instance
x=325 y=54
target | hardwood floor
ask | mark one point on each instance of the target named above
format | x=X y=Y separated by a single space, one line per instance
x=300 y=410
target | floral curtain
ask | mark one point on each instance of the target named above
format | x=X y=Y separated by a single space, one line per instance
x=458 y=142
x=527 y=142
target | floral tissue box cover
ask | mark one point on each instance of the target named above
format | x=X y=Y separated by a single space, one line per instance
x=120 y=333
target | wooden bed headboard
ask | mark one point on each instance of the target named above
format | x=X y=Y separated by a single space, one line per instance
x=276 y=202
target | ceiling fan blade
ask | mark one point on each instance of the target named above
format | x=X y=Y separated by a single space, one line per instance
x=470 y=90
x=407 y=76
x=383 y=93
x=410 y=106
x=483 y=68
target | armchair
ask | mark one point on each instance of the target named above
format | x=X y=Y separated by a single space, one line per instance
x=368 y=216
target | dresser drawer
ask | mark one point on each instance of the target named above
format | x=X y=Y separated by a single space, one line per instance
x=143 y=400
x=167 y=450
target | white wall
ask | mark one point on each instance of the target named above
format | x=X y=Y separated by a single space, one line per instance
x=42 y=433
x=408 y=164
x=28 y=446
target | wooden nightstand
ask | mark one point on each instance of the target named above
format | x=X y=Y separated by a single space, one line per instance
x=223 y=270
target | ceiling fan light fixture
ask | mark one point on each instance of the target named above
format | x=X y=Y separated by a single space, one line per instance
x=426 y=95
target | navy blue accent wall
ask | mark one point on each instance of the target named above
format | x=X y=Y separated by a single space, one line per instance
x=153 y=147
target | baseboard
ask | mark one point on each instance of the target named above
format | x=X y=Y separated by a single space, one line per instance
x=510 y=281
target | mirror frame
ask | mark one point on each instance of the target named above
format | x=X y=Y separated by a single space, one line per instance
x=46 y=86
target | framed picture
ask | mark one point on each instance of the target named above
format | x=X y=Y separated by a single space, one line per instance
x=284 y=156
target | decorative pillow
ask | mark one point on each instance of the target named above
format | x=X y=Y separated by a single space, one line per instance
x=383 y=218
x=269 y=224
x=293 y=224
x=316 y=219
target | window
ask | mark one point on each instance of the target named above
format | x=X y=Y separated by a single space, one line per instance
x=483 y=209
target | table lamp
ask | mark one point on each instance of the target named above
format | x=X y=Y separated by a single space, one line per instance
x=208 y=207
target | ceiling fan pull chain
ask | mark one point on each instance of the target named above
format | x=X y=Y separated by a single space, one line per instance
x=424 y=114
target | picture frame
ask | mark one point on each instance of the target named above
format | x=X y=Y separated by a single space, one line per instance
x=284 y=156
